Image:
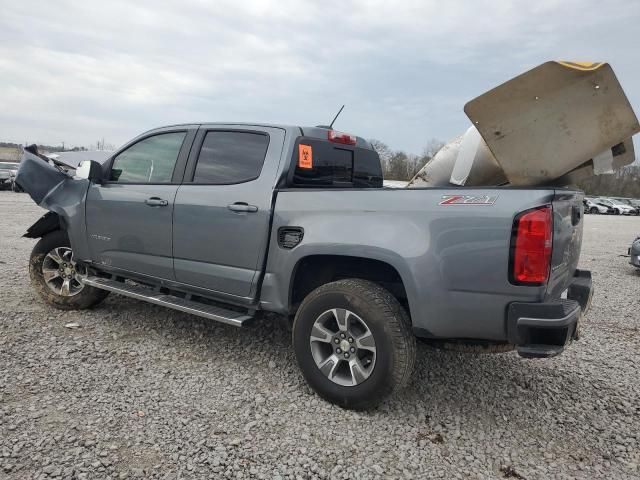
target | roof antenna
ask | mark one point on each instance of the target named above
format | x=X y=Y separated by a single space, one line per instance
x=336 y=117
x=330 y=127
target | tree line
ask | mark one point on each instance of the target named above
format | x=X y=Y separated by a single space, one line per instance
x=399 y=165
x=99 y=145
x=623 y=183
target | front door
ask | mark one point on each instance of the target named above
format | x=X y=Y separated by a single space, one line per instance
x=222 y=211
x=129 y=216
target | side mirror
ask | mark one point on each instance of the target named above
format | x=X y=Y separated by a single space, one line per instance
x=90 y=170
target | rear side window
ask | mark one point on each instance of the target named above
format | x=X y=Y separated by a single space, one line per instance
x=151 y=160
x=230 y=157
x=330 y=165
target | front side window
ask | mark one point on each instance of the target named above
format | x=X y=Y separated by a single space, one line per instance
x=230 y=157
x=151 y=160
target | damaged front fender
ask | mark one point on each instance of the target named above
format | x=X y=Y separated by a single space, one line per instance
x=58 y=192
x=49 y=222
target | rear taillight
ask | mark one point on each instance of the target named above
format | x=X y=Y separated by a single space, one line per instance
x=531 y=246
x=340 y=137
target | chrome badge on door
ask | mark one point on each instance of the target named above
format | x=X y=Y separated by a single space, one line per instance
x=468 y=199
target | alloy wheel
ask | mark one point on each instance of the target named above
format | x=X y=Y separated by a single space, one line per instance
x=343 y=347
x=61 y=273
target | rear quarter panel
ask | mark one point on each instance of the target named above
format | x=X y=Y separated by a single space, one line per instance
x=453 y=259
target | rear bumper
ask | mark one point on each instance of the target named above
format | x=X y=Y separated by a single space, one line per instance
x=540 y=330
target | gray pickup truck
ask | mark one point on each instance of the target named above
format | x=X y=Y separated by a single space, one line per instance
x=228 y=221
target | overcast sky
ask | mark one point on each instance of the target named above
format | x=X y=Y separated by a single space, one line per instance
x=81 y=70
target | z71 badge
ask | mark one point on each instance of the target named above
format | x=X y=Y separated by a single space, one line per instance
x=468 y=199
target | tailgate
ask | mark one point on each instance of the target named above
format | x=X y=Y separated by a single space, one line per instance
x=567 y=240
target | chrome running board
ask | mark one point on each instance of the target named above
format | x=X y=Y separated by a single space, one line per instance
x=230 y=317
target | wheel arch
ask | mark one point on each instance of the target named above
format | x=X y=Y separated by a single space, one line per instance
x=315 y=270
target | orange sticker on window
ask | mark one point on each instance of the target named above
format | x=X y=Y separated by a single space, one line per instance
x=305 y=156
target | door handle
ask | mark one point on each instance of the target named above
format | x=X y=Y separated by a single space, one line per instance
x=156 y=202
x=242 y=207
x=575 y=215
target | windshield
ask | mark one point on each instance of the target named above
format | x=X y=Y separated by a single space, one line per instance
x=8 y=165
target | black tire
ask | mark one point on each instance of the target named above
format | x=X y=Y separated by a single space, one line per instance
x=594 y=210
x=616 y=212
x=85 y=298
x=387 y=322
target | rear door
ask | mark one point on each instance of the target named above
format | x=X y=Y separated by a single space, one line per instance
x=223 y=209
x=129 y=216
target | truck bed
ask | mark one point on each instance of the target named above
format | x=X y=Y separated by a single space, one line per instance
x=453 y=257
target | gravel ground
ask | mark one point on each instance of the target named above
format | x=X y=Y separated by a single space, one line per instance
x=141 y=391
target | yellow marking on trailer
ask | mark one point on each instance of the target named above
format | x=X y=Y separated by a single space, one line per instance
x=583 y=66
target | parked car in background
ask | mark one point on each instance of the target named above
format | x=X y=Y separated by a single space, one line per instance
x=618 y=207
x=592 y=207
x=8 y=172
x=631 y=202
x=634 y=253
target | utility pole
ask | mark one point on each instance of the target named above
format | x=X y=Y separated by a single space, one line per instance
x=63 y=145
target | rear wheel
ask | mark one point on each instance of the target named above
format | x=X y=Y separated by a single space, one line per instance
x=58 y=278
x=353 y=343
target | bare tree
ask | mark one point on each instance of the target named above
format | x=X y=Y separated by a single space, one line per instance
x=623 y=183
x=399 y=165
x=102 y=145
x=383 y=150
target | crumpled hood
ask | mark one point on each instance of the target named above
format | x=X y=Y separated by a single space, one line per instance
x=73 y=159
x=39 y=178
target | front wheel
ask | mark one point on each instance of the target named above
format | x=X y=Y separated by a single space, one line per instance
x=353 y=343
x=57 y=277
x=594 y=210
